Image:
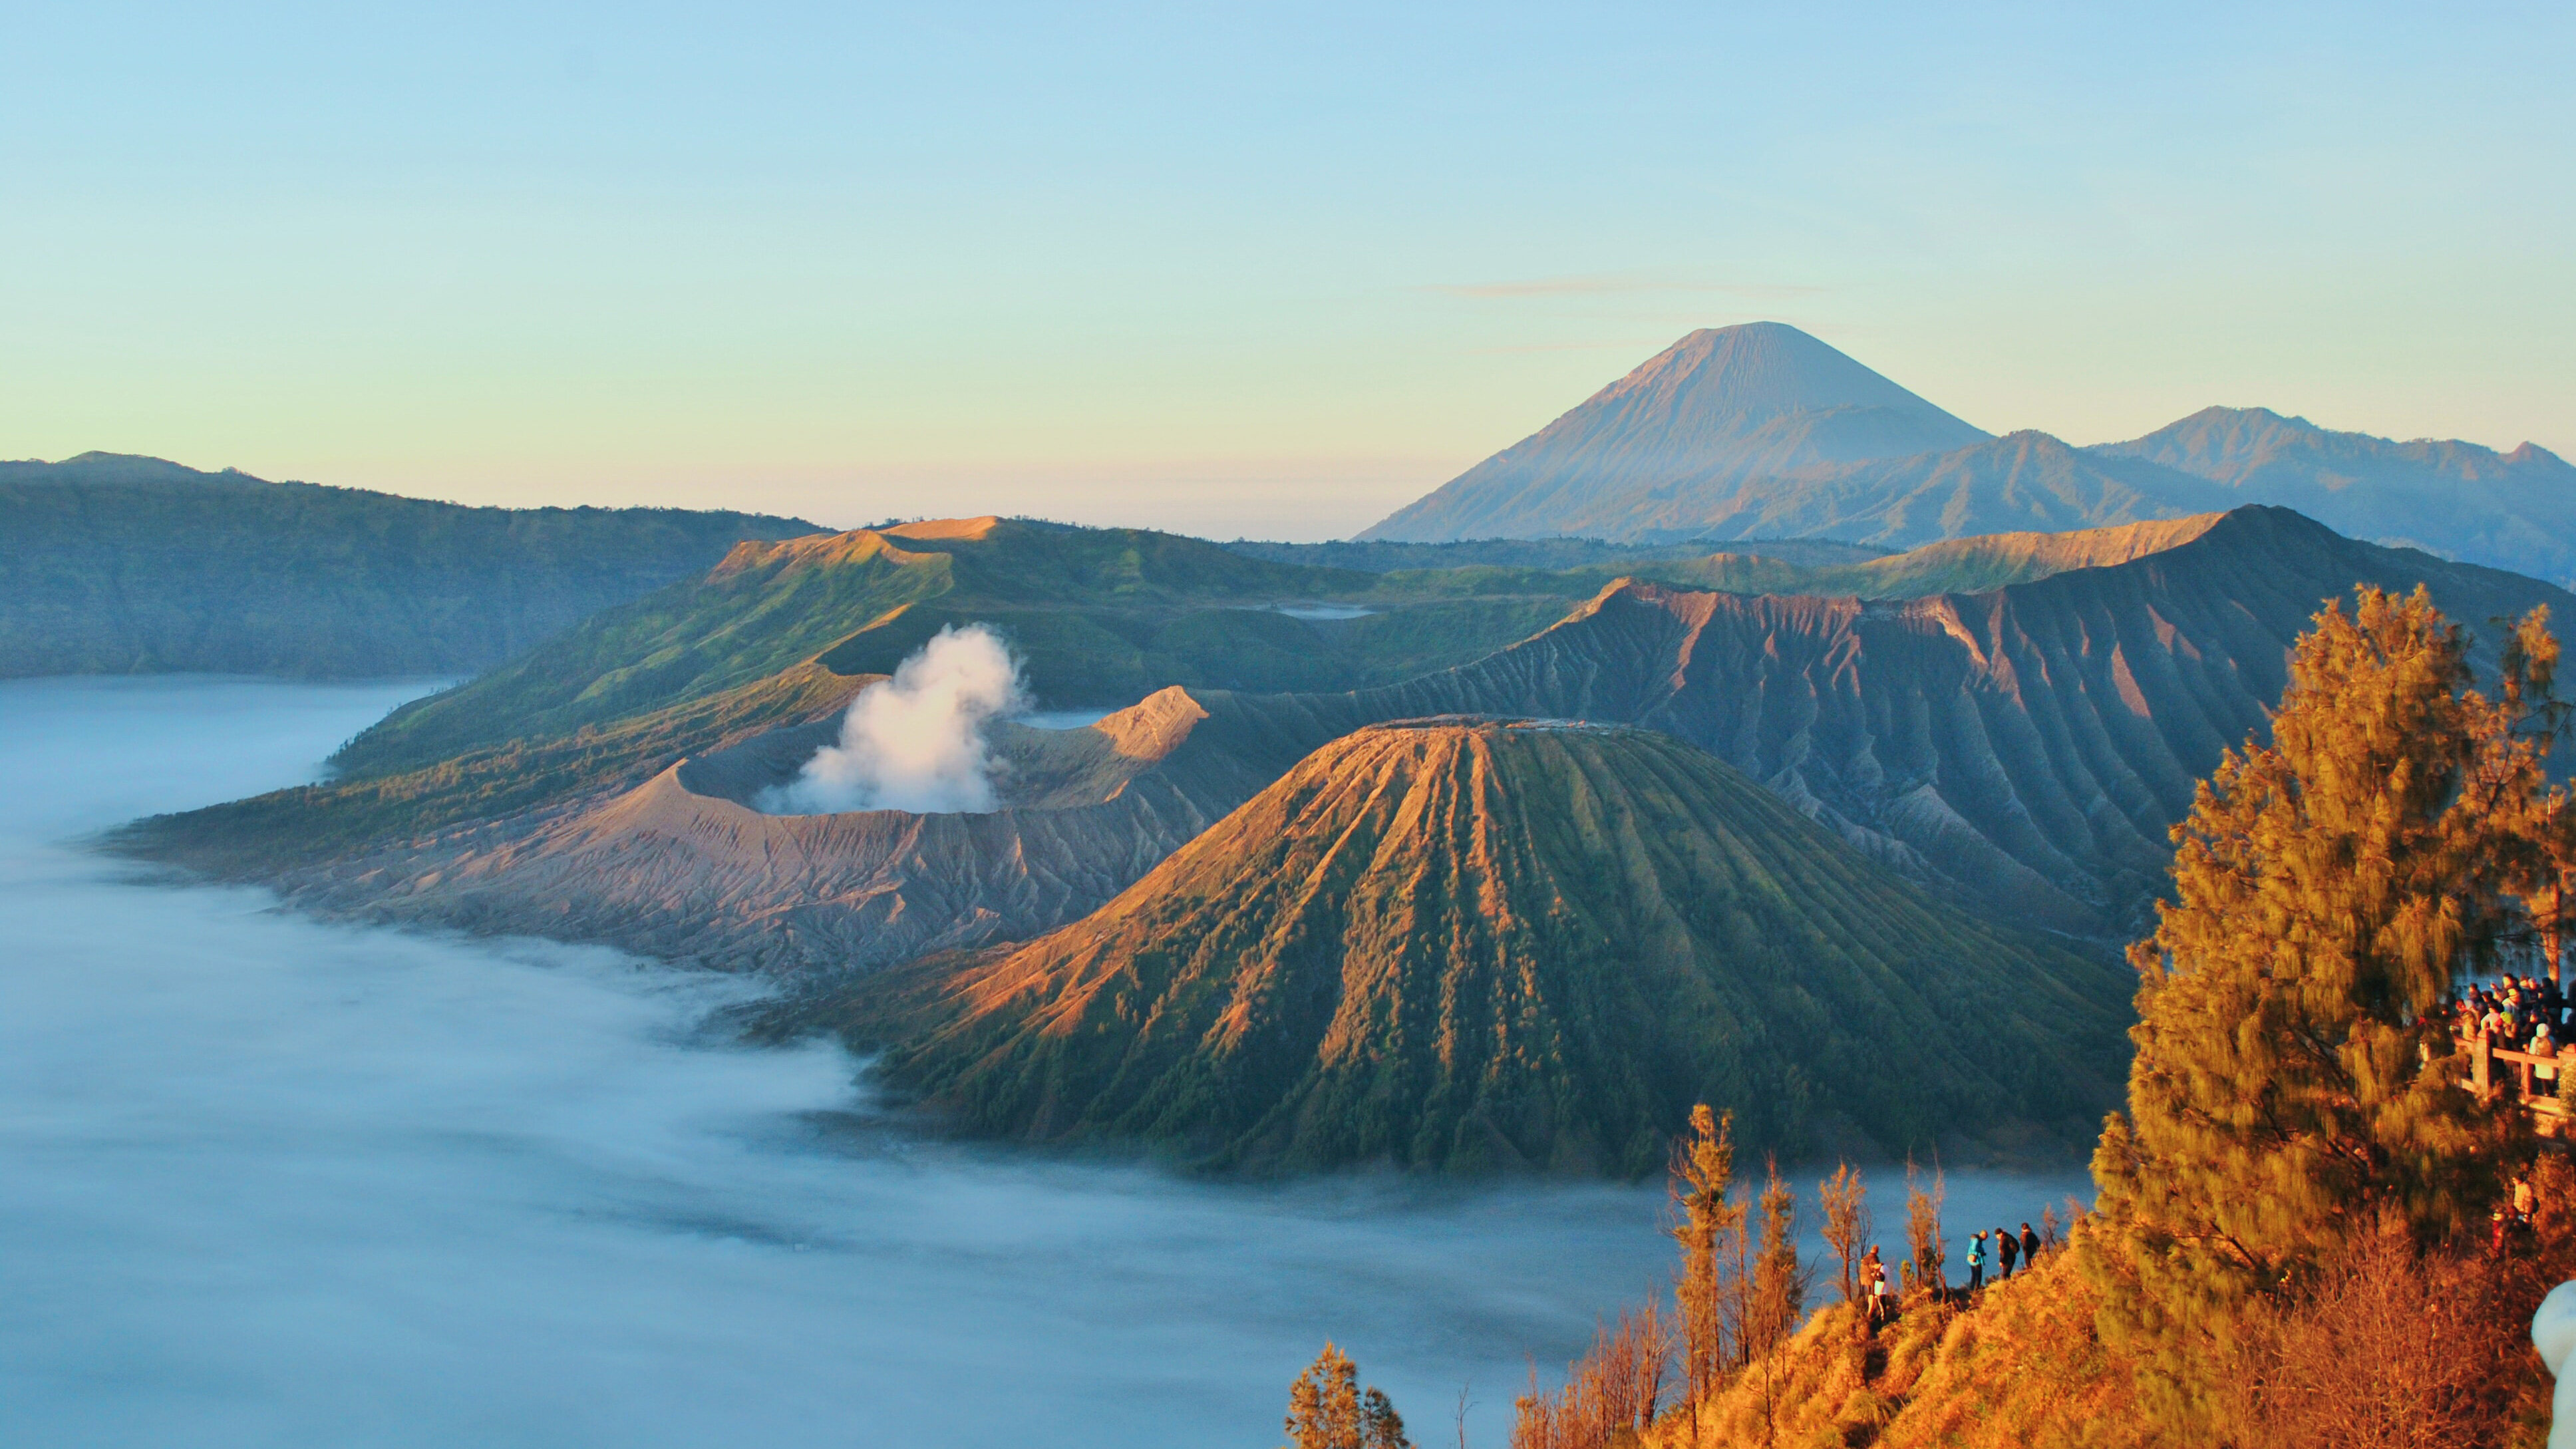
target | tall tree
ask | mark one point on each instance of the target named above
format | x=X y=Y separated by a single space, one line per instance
x=2540 y=820
x=1845 y=1201
x=2327 y=889
x=1703 y=1169
x=1779 y=1281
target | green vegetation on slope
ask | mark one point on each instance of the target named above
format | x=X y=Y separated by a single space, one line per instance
x=778 y=633
x=1099 y=616
x=1380 y=556
x=112 y=565
x=1470 y=946
x=1952 y=566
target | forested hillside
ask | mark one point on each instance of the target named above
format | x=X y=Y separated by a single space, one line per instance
x=120 y=565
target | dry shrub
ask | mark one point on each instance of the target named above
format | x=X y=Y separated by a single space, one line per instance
x=1610 y=1394
x=2391 y=1347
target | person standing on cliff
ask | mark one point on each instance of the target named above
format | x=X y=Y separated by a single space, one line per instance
x=2029 y=1246
x=2006 y=1249
x=1977 y=1261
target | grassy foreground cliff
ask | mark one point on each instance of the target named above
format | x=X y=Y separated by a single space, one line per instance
x=2315 y=1226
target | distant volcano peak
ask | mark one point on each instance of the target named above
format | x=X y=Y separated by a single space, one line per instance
x=1750 y=400
x=1761 y=370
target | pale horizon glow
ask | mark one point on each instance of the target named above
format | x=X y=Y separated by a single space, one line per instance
x=1270 y=272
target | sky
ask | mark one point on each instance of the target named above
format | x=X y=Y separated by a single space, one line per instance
x=1244 y=269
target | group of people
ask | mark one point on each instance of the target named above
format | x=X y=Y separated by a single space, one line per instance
x=2517 y=1013
x=2008 y=1250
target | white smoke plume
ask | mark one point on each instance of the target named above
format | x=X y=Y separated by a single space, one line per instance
x=915 y=742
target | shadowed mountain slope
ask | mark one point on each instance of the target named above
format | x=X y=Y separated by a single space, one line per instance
x=1474 y=945
x=1539 y=554
x=2027 y=746
x=1099 y=616
x=2513 y=510
x=1959 y=565
x=2022 y=748
x=119 y=565
x=1731 y=402
x=2022 y=482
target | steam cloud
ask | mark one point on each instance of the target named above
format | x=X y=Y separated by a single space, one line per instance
x=916 y=741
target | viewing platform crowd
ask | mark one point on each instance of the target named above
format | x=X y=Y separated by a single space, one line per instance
x=2517 y=1013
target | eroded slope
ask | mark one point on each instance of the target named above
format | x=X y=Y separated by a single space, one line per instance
x=1472 y=944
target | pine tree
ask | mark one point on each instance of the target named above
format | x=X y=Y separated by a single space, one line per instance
x=2327 y=888
x=1703 y=1168
x=1779 y=1283
x=1380 y=1426
x=1326 y=1409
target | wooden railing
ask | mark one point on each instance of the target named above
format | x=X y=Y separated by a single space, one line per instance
x=2523 y=1069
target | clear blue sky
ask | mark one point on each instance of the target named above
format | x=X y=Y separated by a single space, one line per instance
x=1235 y=268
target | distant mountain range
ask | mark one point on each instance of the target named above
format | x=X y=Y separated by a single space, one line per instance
x=120 y=565
x=2013 y=720
x=1762 y=431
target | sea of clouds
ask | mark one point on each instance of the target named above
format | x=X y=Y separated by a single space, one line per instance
x=270 y=1181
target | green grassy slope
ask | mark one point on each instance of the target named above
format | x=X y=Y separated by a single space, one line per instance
x=1465 y=945
x=782 y=632
x=1379 y=556
x=126 y=565
x=1952 y=566
x=1100 y=616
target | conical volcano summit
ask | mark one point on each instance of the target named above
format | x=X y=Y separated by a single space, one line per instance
x=1475 y=944
x=1727 y=402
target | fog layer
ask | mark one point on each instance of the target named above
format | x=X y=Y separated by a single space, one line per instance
x=270 y=1182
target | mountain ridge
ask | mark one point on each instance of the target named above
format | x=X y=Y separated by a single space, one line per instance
x=2508 y=509
x=2021 y=749
x=115 y=563
x=1598 y=472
